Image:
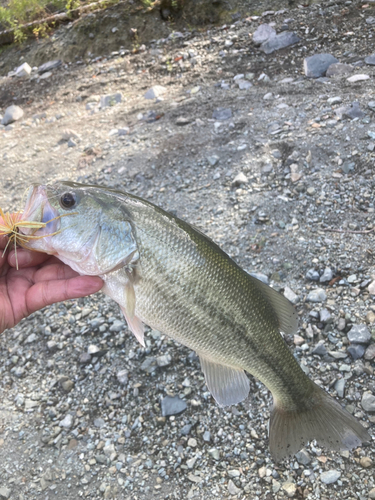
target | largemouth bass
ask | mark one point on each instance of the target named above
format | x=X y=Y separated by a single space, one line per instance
x=168 y=275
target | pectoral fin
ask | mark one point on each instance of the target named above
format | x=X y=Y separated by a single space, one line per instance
x=226 y=384
x=134 y=323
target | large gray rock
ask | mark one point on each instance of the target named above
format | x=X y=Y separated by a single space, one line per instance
x=339 y=69
x=317 y=295
x=330 y=476
x=359 y=334
x=172 y=406
x=280 y=41
x=49 y=66
x=12 y=114
x=263 y=33
x=316 y=66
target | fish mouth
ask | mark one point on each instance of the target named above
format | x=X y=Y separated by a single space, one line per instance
x=38 y=209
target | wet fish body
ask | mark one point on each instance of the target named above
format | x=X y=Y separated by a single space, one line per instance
x=170 y=276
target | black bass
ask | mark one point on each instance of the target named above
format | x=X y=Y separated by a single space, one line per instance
x=167 y=274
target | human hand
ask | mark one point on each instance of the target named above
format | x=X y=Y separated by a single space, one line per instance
x=40 y=280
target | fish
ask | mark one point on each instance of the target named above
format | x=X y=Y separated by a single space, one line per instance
x=167 y=274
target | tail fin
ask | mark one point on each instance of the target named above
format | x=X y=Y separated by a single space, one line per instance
x=322 y=419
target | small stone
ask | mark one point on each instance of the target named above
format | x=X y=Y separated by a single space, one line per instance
x=164 y=360
x=334 y=100
x=12 y=114
x=207 y=436
x=31 y=338
x=260 y=277
x=324 y=316
x=370 y=60
x=191 y=462
x=357 y=78
x=67 y=422
x=66 y=384
x=149 y=364
x=339 y=387
x=359 y=334
x=339 y=69
x=371 y=288
x=172 y=406
x=290 y=295
x=72 y=143
x=49 y=66
x=184 y=120
x=371 y=493
x=341 y=324
x=356 y=351
x=192 y=442
x=244 y=85
x=110 y=100
x=275 y=486
x=365 y=462
x=117 y=326
x=232 y=488
x=5 y=493
x=240 y=179
x=155 y=92
x=213 y=160
x=23 y=70
x=310 y=191
x=290 y=488
x=368 y=401
x=123 y=376
x=99 y=423
x=326 y=276
x=303 y=457
x=215 y=453
x=263 y=33
x=268 y=96
x=52 y=346
x=352 y=111
x=222 y=114
x=312 y=275
x=44 y=76
x=317 y=295
x=330 y=476
x=370 y=352
x=277 y=42
x=316 y=66
x=320 y=349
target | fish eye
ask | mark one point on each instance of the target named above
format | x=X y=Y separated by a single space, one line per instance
x=67 y=200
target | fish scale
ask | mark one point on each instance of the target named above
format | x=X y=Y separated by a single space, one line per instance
x=167 y=274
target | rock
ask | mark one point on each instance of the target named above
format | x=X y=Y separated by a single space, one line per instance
x=310 y=191
x=232 y=488
x=365 y=462
x=339 y=69
x=290 y=295
x=334 y=100
x=67 y=422
x=99 y=423
x=23 y=70
x=155 y=92
x=260 y=277
x=49 y=66
x=339 y=387
x=371 y=493
x=93 y=349
x=303 y=457
x=207 y=436
x=69 y=134
x=330 y=476
x=85 y=358
x=52 y=346
x=240 y=179
x=244 y=84
x=172 y=406
x=214 y=160
x=44 y=76
x=66 y=384
x=356 y=351
x=352 y=111
x=324 y=316
x=192 y=442
x=370 y=60
x=316 y=66
x=370 y=20
x=5 y=492
x=317 y=295
x=371 y=105
x=359 y=334
x=31 y=338
x=117 y=326
x=319 y=349
x=185 y=431
x=222 y=114
x=12 y=114
x=326 y=276
x=72 y=143
x=110 y=100
x=184 y=120
x=357 y=78
x=122 y=376
x=371 y=288
x=277 y=42
x=370 y=352
x=164 y=360
x=263 y=33
x=368 y=401
x=215 y=454
x=312 y=275
x=290 y=488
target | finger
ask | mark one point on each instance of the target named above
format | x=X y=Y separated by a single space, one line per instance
x=48 y=292
x=50 y=272
x=27 y=258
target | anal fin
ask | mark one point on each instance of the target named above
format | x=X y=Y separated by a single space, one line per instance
x=136 y=326
x=227 y=385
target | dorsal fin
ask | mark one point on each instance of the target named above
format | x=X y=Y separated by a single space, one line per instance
x=285 y=311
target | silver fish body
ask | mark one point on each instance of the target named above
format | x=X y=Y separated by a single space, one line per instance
x=170 y=276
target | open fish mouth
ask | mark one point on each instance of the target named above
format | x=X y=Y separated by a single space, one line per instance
x=38 y=209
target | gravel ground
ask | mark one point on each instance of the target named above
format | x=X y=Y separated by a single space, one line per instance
x=275 y=167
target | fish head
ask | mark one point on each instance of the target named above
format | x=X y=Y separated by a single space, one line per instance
x=87 y=227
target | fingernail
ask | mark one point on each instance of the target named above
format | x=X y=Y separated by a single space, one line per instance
x=23 y=258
